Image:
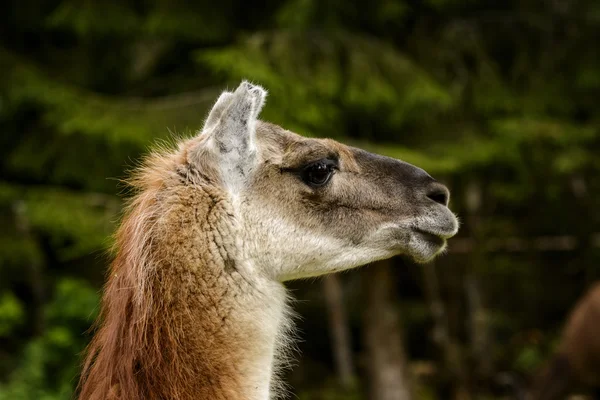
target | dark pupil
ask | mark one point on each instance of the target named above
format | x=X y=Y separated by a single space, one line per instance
x=318 y=173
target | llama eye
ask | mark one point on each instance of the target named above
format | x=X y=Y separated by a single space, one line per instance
x=318 y=173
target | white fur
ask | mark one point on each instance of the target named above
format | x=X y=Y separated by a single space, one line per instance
x=286 y=252
x=231 y=128
x=268 y=314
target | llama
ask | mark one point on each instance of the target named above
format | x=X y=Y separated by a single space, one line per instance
x=194 y=306
x=577 y=359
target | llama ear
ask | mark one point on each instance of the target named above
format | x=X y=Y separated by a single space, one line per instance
x=217 y=111
x=231 y=127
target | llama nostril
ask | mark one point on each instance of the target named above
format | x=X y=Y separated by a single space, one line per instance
x=439 y=194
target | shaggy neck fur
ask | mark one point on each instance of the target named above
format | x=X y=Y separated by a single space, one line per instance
x=184 y=315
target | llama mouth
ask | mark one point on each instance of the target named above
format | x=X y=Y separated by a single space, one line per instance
x=425 y=244
x=439 y=225
x=434 y=238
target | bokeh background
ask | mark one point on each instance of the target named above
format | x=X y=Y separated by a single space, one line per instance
x=499 y=100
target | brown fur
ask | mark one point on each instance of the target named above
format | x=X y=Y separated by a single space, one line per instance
x=194 y=307
x=165 y=331
x=577 y=360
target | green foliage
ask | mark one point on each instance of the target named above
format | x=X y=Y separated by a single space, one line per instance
x=158 y=18
x=529 y=360
x=50 y=362
x=11 y=313
x=115 y=121
x=346 y=72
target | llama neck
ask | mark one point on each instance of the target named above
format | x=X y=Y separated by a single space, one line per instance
x=203 y=324
x=228 y=330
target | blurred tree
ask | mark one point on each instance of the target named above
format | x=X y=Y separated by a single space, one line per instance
x=339 y=331
x=389 y=376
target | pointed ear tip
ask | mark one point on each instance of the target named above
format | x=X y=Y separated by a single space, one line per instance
x=253 y=87
x=259 y=91
x=224 y=95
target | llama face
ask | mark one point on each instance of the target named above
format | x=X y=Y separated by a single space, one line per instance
x=307 y=207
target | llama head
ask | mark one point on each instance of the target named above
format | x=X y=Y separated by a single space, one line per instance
x=306 y=207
